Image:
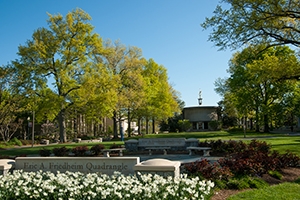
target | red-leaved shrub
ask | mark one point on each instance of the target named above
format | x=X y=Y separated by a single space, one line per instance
x=80 y=150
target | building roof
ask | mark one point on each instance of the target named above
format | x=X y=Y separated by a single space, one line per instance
x=191 y=107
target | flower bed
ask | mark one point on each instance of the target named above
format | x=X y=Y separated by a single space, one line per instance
x=46 y=185
x=243 y=164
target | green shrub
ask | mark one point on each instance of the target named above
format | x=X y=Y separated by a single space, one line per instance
x=26 y=142
x=221 y=184
x=275 y=174
x=257 y=183
x=3 y=145
x=246 y=182
x=297 y=180
x=238 y=184
x=184 y=124
x=214 y=125
x=15 y=141
x=87 y=137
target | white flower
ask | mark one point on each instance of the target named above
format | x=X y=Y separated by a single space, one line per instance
x=40 y=185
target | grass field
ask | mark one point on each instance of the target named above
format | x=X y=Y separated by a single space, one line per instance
x=28 y=150
x=279 y=141
x=284 y=191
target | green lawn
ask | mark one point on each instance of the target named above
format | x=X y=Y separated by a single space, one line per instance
x=19 y=151
x=284 y=191
x=279 y=142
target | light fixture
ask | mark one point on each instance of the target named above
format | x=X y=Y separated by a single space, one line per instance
x=200 y=101
x=200 y=98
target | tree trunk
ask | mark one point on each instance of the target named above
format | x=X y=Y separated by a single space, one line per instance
x=244 y=126
x=153 y=125
x=103 y=126
x=251 y=123
x=139 y=126
x=147 y=125
x=62 y=126
x=92 y=128
x=84 y=128
x=266 y=124
x=73 y=128
x=292 y=123
x=115 y=122
x=257 y=120
x=129 y=124
x=120 y=128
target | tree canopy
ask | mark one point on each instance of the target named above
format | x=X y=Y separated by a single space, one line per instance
x=253 y=85
x=243 y=22
x=64 y=53
x=66 y=70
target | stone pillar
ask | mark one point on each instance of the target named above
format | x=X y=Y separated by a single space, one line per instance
x=162 y=167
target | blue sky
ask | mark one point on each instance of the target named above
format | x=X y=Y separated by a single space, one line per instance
x=168 y=31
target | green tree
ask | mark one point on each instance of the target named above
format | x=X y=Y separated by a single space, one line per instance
x=132 y=93
x=253 y=84
x=176 y=122
x=288 y=108
x=161 y=100
x=239 y=22
x=227 y=112
x=10 y=105
x=125 y=66
x=63 y=55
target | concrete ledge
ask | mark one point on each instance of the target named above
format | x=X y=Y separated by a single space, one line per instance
x=78 y=164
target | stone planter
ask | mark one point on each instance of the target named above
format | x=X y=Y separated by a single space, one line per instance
x=162 y=167
x=6 y=166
